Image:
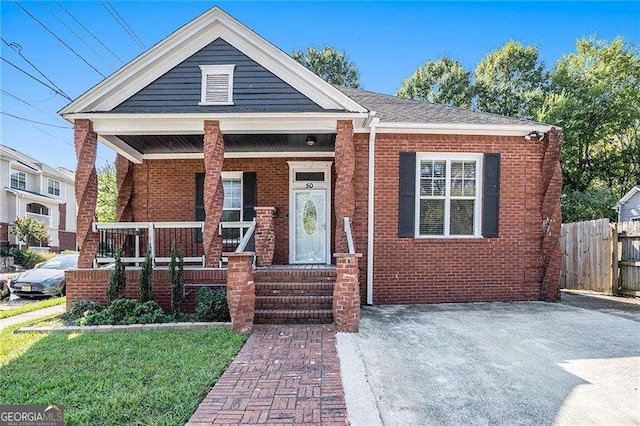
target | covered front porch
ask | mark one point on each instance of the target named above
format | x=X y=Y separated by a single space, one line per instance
x=238 y=202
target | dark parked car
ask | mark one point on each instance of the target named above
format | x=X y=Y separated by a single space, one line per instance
x=47 y=279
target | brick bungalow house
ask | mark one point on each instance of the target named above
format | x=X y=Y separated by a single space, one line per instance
x=229 y=147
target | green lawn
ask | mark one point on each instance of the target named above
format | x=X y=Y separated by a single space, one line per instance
x=146 y=377
x=30 y=307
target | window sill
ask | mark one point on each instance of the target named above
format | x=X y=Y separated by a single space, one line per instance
x=214 y=103
x=457 y=239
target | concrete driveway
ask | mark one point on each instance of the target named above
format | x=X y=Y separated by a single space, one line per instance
x=528 y=363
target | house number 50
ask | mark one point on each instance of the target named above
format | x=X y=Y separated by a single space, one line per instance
x=309 y=185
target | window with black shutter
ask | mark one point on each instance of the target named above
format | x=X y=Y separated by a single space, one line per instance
x=448 y=195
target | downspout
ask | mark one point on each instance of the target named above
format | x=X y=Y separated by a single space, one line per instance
x=370 y=204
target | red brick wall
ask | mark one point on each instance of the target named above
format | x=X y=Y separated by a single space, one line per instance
x=408 y=270
x=359 y=221
x=164 y=191
x=92 y=284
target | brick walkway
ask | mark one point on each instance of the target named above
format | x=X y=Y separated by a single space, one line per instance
x=285 y=374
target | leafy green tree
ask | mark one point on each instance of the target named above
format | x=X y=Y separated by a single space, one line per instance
x=30 y=230
x=331 y=64
x=444 y=81
x=107 y=193
x=595 y=98
x=511 y=81
x=592 y=204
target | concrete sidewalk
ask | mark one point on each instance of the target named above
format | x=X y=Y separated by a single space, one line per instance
x=17 y=319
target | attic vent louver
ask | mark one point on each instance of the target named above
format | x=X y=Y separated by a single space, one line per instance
x=217 y=84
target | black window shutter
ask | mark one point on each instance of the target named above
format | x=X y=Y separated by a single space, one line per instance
x=249 y=195
x=199 y=208
x=407 y=184
x=491 y=196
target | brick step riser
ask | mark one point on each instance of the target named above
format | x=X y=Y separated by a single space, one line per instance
x=279 y=278
x=259 y=320
x=294 y=289
x=311 y=302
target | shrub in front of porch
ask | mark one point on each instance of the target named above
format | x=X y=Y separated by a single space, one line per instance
x=119 y=312
x=212 y=305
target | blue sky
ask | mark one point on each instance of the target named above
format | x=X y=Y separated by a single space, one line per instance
x=386 y=40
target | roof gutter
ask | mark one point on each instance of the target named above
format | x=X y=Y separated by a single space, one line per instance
x=463 y=128
x=370 y=209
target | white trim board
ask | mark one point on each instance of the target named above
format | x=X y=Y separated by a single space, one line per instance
x=238 y=123
x=188 y=40
x=264 y=154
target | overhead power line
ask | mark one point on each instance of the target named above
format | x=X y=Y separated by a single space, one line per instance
x=18 y=49
x=38 y=80
x=34 y=121
x=90 y=33
x=120 y=20
x=73 y=32
x=59 y=39
x=31 y=105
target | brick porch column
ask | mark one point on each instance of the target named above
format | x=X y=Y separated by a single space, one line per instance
x=344 y=196
x=86 y=189
x=124 y=183
x=241 y=291
x=551 y=216
x=213 y=191
x=265 y=236
x=346 y=293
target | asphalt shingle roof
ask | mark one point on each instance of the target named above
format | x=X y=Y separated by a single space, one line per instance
x=401 y=110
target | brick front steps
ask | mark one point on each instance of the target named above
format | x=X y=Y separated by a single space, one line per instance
x=294 y=296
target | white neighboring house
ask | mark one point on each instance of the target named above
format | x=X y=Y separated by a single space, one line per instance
x=31 y=188
x=629 y=206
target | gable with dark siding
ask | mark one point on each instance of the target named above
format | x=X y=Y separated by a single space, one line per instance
x=255 y=89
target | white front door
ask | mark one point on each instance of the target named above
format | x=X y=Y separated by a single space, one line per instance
x=310 y=226
x=309 y=212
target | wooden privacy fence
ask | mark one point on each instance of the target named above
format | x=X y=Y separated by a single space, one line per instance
x=601 y=256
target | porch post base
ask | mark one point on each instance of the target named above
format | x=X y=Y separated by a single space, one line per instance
x=265 y=236
x=346 y=293
x=241 y=291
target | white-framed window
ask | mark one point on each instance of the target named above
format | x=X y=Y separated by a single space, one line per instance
x=53 y=187
x=217 y=84
x=18 y=180
x=232 y=205
x=449 y=195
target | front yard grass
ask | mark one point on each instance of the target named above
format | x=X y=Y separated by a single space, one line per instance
x=145 y=377
x=30 y=307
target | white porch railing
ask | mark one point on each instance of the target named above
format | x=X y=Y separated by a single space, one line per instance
x=236 y=237
x=45 y=219
x=132 y=239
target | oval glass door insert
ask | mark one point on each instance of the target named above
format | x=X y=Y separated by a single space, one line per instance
x=310 y=217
